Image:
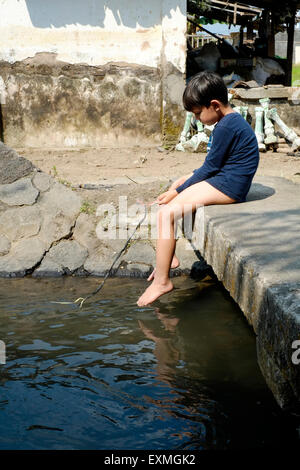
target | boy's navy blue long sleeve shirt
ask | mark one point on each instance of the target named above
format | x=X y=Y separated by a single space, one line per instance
x=232 y=160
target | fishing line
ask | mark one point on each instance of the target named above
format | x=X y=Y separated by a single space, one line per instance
x=81 y=300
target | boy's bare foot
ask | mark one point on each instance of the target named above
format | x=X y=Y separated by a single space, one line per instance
x=175 y=263
x=153 y=292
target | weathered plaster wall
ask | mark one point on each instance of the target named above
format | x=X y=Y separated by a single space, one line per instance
x=55 y=104
x=147 y=40
x=173 y=67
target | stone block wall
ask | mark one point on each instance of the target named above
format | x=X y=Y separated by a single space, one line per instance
x=44 y=231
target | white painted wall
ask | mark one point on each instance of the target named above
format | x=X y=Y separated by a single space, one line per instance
x=174 y=32
x=94 y=31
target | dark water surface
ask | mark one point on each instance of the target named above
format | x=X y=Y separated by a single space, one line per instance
x=178 y=375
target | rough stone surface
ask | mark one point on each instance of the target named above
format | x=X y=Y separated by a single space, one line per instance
x=4 y=245
x=12 y=166
x=254 y=249
x=42 y=181
x=48 y=268
x=134 y=270
x=85 y=232
x=23 y=256
x=18 y=193
x=69 y=254
x=21 y=222
x=60 y=207
x=66 y=256
x=100 y=260
x=140 y=252
x=282 y=303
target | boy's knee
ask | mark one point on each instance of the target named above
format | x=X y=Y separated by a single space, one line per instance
x=163 y=212
x=168 y=212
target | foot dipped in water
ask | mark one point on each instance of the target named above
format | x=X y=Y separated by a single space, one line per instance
x=154 y=291
x=175 y=263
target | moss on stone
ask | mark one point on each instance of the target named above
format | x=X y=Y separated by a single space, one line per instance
x=170 y=131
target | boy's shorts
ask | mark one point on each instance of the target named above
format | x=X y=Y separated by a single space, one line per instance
x=237 y=189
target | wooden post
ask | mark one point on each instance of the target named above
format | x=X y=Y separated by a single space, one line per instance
x=234 y=15
x=241 y=37
x=290 y=48
x=250 y=31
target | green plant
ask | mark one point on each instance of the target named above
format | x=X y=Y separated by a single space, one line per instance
x=60 y=180
x=88 y=208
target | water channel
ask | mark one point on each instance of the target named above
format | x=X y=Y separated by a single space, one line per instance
x=181 y=374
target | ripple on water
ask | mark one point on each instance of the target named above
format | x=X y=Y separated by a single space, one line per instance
x=181 y=374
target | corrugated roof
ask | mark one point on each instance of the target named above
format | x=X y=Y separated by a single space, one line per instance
x=271 y=3
x=240 y=12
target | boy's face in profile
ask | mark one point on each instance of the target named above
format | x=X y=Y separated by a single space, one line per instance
x=208 y=115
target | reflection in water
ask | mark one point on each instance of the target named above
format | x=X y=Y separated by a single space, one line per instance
x=182 y=375
x=166 y=353
x=192 y=401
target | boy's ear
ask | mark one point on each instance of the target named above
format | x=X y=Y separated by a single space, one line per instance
x=215 y=104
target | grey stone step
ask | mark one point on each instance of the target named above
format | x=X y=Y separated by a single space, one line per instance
x=254 y=250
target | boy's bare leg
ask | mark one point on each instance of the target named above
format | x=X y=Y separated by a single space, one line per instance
x=196 y=195
x=174 y=264
x=165 y=248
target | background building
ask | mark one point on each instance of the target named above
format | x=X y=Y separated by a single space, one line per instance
x=92 y=72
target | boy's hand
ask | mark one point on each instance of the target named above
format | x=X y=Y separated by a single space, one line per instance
x=166 y=197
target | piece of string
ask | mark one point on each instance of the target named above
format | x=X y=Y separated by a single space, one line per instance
x=81 y=300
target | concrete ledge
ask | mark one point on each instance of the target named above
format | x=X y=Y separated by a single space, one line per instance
x=254 y=249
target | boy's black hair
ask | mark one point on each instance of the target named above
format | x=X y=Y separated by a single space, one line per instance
x=202 y=88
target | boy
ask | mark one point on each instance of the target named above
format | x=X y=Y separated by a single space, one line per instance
x=224 y=178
